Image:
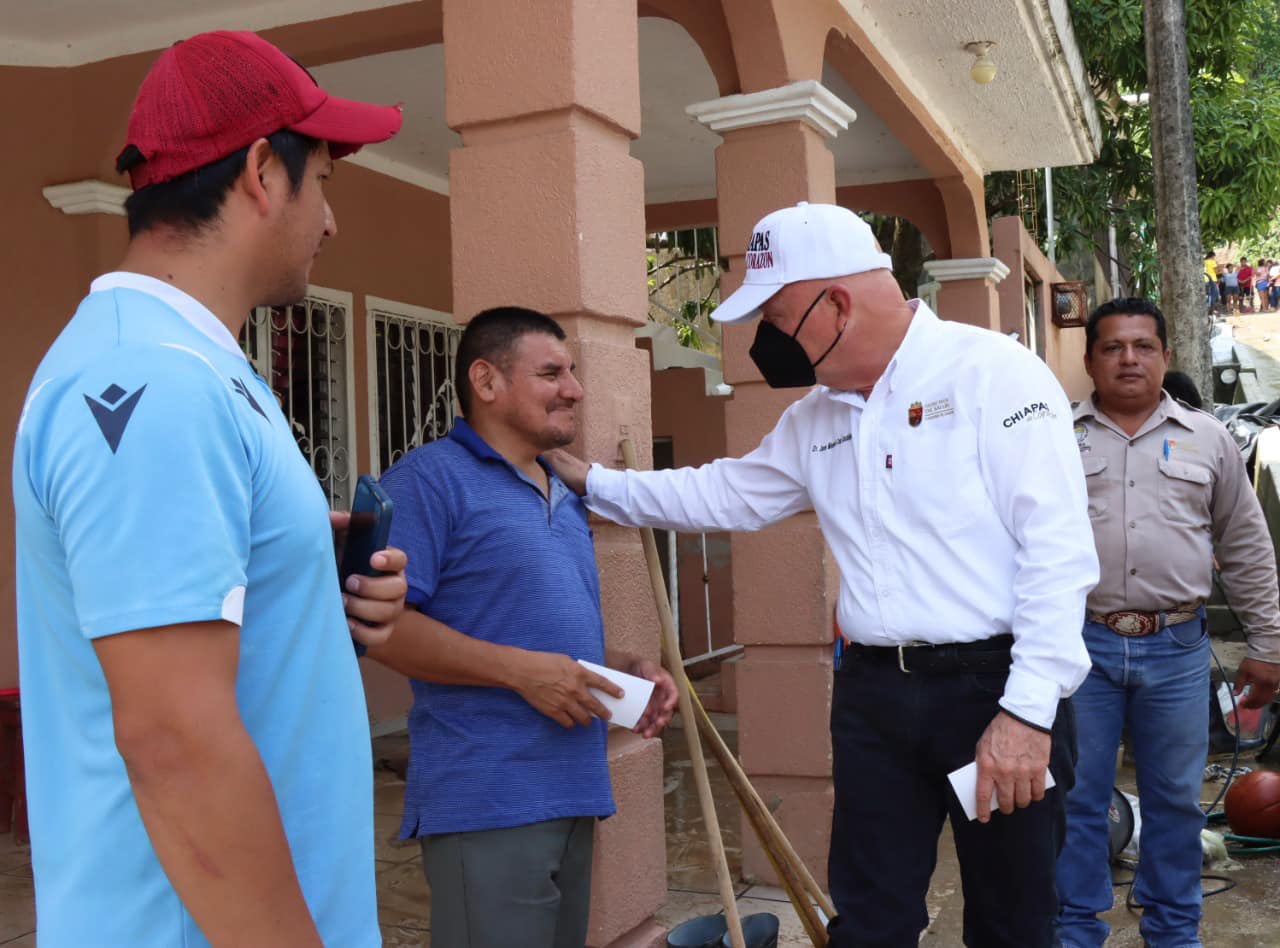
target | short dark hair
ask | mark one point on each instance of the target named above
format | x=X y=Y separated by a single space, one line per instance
x=1181 y=387
x=1124 y=306
x=491 y=336
x=190 y=201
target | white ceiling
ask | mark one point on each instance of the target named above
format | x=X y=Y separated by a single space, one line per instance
x=1038 y=111
x=420 y=152
x=678 y=153
x=1032 y=115
x=74 y=32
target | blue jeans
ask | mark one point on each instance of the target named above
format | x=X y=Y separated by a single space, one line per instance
x=1159 y=685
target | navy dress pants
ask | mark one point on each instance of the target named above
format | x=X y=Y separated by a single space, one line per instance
x=895 y=736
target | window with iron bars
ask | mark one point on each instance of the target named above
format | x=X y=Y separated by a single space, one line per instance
x=304 y=353
x=412 y=352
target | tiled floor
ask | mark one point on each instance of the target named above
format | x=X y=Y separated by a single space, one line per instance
x=1248 y=916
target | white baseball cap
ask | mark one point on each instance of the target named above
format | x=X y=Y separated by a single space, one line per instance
x=805 y=242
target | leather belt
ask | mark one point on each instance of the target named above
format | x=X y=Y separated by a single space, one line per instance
x=1137 y=624
x=985 y=656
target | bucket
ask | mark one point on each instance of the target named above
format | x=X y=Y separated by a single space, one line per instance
x=758 y=931
x=702 y=932
x=1122 y=824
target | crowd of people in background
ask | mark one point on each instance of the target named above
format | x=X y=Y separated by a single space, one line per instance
x=1241 y=289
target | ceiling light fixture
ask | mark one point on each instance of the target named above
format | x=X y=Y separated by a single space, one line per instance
x=983 y=69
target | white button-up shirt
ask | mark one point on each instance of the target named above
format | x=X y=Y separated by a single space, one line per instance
x=952 y=499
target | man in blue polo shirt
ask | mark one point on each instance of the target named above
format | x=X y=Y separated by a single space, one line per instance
x=507 y=770
x=198 y=767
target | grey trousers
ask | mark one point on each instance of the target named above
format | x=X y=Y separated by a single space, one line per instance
x=527 y=886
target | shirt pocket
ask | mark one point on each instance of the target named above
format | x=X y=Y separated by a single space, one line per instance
x=937 y=481
x=1093 y=469
x=1184 y=492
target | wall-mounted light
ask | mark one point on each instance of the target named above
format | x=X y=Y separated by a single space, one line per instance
x=983 y=69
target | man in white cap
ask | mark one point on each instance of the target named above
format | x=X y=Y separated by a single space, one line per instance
x=941 y=463
x=202 y=772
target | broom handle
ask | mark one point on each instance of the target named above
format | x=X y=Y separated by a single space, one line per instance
x=800 y=886
x=676 y=667
x=742 y=783
x=737 y=776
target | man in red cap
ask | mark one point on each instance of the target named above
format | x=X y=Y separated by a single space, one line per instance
x=202 y=771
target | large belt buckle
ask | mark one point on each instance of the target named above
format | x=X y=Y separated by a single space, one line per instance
x=1133 y=624
x=902 y=665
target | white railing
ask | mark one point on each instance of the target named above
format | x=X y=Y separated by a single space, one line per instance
x=412 y=351
x=303 y=351
x=693 y=643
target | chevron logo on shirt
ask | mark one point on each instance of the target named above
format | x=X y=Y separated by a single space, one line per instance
x=243 y=389
x=112 y=414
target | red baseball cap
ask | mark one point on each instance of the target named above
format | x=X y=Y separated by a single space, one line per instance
x=215 y=93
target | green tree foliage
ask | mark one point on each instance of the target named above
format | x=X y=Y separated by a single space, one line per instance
x=1233 y=50
x=1265 y=244
x=683 y=270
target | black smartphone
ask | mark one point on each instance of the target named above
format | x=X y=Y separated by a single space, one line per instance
x=367 y=533
x=369 y=529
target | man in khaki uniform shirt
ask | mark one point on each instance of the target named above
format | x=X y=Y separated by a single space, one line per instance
x=1167 y=492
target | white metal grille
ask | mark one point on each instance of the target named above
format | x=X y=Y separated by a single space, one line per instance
x=304 y=353
x=411 y=369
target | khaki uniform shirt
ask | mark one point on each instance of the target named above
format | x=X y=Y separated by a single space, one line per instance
x=1163 y=503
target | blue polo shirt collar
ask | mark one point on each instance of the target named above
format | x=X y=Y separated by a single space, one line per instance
x=470 y=439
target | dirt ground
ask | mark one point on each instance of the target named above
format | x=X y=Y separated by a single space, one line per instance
x=1246 y=916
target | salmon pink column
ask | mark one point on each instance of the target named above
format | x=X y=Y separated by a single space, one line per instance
x=547 y=211
x=968 y=293
x=785 y=583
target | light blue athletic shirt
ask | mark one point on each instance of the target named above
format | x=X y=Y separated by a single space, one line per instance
x=157 y=482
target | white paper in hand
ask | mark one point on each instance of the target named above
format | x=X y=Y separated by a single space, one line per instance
x=965 y=783
x=628 y=709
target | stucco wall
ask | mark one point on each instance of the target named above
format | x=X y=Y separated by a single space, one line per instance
x=1063 y=348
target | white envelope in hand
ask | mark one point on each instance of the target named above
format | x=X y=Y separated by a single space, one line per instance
x=627 y=710
x=965 y=783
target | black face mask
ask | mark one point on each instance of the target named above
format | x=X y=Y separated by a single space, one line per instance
x=781 y=359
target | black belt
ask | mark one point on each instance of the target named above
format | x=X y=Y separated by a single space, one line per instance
x=982 y=657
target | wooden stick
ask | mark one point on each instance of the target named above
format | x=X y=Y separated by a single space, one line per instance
x=802 y=888
x=676 y=667
x=751 y=801
x=738 y=778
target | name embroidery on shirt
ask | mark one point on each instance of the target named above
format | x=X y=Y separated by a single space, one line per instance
x=818 y=448
x=1031 y=412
